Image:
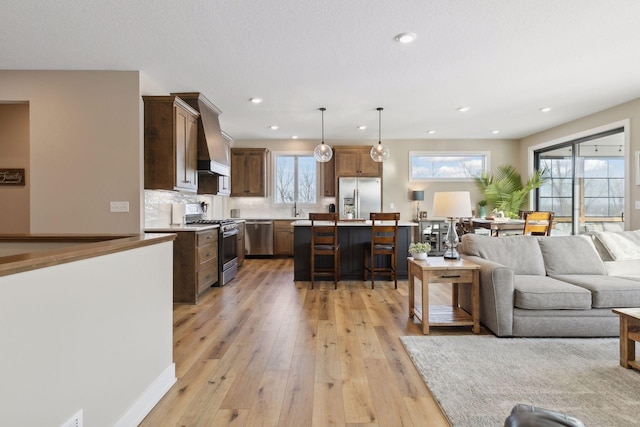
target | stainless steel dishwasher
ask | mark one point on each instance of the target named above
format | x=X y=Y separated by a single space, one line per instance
x=258 y=237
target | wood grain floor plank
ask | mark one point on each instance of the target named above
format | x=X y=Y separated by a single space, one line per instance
x=265 y=411
x=297 y=404
x=328 y=409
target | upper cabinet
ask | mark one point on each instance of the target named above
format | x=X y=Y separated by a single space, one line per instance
x=170 y=144
x=356 y=161
x=248 y=172
x=329 y=177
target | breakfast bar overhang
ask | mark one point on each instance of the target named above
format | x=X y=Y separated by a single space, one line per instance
x=352 y=236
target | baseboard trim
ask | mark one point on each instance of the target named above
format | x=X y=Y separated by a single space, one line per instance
x=149 y=398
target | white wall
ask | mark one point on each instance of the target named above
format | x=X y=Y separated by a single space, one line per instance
x=93 y=335
x=629 y=113
x=396 y=186
x=85 y=148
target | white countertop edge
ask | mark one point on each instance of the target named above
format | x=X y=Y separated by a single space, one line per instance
x=367 y=223
x=172 y=228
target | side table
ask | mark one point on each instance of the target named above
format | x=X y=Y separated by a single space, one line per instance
x=629 y=335
x=454 y=272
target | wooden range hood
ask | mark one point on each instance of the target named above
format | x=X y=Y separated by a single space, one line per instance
x=213 y=148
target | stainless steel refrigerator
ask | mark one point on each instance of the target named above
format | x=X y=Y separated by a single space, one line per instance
x=362 y=195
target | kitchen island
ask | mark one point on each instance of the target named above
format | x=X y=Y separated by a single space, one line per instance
x=352 y=236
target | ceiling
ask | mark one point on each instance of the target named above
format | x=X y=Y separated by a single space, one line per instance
x=504 y=59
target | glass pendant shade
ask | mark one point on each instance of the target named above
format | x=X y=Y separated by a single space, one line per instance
x=322 y=153
x=379 y=152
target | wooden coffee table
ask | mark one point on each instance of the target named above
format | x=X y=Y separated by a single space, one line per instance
x=454 y=272
x=629 y=335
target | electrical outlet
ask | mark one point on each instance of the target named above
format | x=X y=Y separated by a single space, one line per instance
x=75 y=421
x=637 y=204
x=119 y=206
x=392 y=206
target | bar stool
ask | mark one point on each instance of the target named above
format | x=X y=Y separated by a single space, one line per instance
x=384 y=241
x=324 y=242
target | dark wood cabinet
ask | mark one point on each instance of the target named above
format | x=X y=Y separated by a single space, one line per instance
x=195 y=264
x=217 y=185
x=355 y=161
x=170 y=144
x=282 y=237
x=240 y=247
x=248 y=172
x=329 y=177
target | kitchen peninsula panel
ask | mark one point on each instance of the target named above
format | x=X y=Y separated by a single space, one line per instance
x=352 y=237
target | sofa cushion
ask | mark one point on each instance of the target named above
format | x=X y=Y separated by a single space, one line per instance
x=521 y=253
x=607 y=291
x=628 y=268
x=570 y=255
x=545 y=293
x=621 y=245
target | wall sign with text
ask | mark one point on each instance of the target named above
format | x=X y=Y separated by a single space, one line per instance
x=11 y=176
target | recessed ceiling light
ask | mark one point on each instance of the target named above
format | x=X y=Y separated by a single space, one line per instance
x=274 y=127
x=362 y=127
x=255 y=100
x=463 y=109
x=406 y=37
x=495 y=131
x=294 y=136
x=545 y=109
x=431 y=131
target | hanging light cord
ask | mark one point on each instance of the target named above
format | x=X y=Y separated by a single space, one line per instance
x=322 y=109
x=379 y=125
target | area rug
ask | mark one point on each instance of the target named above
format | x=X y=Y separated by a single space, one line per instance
x=478 y=379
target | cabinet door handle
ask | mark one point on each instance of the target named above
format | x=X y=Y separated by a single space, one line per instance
x=452 y=276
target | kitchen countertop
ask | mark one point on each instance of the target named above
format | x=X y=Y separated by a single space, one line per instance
x=86 y=246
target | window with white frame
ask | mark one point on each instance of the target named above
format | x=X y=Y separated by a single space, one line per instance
x=295 y=178
x=447 y=166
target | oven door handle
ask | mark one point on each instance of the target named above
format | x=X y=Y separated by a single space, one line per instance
x=229 y=233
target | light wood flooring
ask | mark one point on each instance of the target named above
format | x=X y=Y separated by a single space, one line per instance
x=267 y=351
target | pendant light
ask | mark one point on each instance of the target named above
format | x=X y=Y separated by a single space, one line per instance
x=379 y=152
x=322 y=152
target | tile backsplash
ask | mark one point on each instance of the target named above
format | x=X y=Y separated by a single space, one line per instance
x=157 y=206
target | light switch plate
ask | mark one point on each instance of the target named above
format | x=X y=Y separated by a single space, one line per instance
x=119 y=206
x=637 y=204
x=392 y=206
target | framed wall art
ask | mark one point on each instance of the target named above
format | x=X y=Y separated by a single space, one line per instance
x=11 y=176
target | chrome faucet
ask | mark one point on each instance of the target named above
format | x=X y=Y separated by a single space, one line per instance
x=295 y=209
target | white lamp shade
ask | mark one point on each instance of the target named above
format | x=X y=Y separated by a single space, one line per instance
x=452 y=204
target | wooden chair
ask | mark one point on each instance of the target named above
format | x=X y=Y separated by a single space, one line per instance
x=384 y=241
x=538 y=223
x=324 y=242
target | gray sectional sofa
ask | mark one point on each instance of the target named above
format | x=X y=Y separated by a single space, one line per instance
x=554 y=286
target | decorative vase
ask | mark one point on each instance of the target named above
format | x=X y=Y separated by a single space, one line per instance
x=349 y=216
x=482 y=211
x=420 y=255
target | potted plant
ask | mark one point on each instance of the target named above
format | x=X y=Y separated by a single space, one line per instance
x=482 y=209
x=419 y=250
x=348 y=211
x=504 y=189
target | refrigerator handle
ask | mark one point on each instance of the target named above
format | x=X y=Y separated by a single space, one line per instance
x=356 y=200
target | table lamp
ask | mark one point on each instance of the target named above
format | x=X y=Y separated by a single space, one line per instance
x=452 y=205
x=417 y=196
